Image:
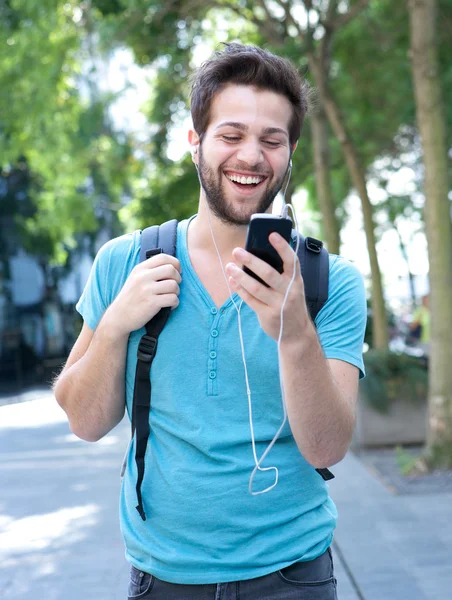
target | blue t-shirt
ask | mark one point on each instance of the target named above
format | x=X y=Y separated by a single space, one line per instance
x=203 y=526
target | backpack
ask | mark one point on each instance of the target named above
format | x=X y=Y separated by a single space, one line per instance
x=314 y=262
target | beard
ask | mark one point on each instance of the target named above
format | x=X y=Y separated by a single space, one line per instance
x=219 y=205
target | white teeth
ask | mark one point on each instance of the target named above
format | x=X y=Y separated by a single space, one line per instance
x=245 y=180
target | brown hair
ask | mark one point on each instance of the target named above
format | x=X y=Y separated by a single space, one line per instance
x=248 y=65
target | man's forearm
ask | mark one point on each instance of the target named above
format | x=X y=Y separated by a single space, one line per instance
x=92 y=391
x=320 y=416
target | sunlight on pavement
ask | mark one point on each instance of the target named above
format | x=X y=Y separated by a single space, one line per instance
x=35 y=413
x=70 y=438
x=37 y=532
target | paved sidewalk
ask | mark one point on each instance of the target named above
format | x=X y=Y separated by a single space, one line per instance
x=396 y=547
x=59 y=526
x=59 y=530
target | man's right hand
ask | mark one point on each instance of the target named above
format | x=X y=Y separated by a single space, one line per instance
x=152 y=285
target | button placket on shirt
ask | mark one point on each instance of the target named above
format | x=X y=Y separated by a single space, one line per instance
x=212 y=385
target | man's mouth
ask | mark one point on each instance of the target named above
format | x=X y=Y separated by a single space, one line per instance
x=245 y=182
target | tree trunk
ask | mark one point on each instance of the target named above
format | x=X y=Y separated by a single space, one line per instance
x=380 y=326
x=432 y=128
x=319 y=125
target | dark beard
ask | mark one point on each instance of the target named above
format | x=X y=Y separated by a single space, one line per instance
x=217 y=201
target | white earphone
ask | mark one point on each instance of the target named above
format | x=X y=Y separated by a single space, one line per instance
x=194 y=152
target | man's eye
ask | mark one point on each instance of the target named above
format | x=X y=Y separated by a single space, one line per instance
x=230 y=138
x=274 y=144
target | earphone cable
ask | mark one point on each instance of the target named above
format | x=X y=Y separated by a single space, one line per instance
x=258 y=462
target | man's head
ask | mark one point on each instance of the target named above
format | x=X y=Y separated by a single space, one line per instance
x=248 y=107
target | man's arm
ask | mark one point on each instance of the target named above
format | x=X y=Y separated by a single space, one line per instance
x=320 y=393
x=91 y=387
x=321 y=399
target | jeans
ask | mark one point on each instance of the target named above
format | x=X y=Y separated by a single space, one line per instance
x=311 y=580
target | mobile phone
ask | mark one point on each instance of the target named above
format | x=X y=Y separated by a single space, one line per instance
x=257 y=242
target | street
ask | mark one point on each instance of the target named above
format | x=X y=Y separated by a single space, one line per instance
x=59 y=527
x=59 y=524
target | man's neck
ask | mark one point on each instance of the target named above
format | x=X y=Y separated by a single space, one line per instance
x=227 y=237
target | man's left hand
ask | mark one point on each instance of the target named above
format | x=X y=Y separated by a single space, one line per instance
x=267 y=301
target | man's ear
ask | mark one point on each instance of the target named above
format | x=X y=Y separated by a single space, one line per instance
x=294 y=147
x=193 y=140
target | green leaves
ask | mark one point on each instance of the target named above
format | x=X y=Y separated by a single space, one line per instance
x=80 y=165
x=52 y=112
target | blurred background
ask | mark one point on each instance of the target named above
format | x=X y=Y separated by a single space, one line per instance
x=94 y=113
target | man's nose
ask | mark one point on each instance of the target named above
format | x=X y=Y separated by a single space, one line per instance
x=250 y=153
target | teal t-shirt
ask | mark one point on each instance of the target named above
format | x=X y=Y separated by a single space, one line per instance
x=203 y=526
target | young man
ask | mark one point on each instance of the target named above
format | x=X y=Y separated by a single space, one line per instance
x=206 y=536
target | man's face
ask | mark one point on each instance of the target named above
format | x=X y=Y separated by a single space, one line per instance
x=244 y=155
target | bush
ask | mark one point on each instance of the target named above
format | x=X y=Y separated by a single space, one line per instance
x=391 y=376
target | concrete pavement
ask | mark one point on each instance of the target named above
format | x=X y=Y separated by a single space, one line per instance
x=59 y=529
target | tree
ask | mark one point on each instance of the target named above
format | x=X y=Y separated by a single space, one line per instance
x=432 y=126
x=81 y=166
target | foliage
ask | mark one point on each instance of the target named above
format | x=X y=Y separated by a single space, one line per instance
x=83 y=168
x=405 y=460
x=378 y=99
x=80 y=167
x=391 y=376
x=170 y=193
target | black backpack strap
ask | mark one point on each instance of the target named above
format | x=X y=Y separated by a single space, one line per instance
x=154 y=240
x=315 y=269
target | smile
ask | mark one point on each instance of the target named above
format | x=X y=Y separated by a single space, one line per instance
x=245 y=183
x=245 y=180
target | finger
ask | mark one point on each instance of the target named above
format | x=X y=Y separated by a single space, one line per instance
x=287 y=254
x=252 y=287
x=165 y=272
x=167 y=286
x=168 y=300
x=258 y=266
x=253 y=302
x=162 y=259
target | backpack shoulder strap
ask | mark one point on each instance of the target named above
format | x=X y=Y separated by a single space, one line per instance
x=159 y=238
x=315 y=269
x=154 y=240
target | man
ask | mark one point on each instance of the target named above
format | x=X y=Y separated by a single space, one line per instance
x=205 y=535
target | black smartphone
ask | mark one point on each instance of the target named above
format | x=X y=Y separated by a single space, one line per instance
x=257 y=242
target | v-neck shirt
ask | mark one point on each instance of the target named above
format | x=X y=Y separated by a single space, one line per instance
x=203 y=526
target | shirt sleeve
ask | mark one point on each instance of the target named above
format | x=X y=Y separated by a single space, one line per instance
x=341 y=323
x=111 y=268
x=93 y=302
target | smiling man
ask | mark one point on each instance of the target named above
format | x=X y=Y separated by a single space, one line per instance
x=206 y=535
x=241 y=147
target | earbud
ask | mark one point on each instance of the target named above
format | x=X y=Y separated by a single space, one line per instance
x=194 y=152
x=289 y=173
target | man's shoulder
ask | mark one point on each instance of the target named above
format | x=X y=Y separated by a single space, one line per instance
x=343 y=270
x=124 y=242
x=120 y=248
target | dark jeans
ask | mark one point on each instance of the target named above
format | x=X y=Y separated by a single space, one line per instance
x=312 y=580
